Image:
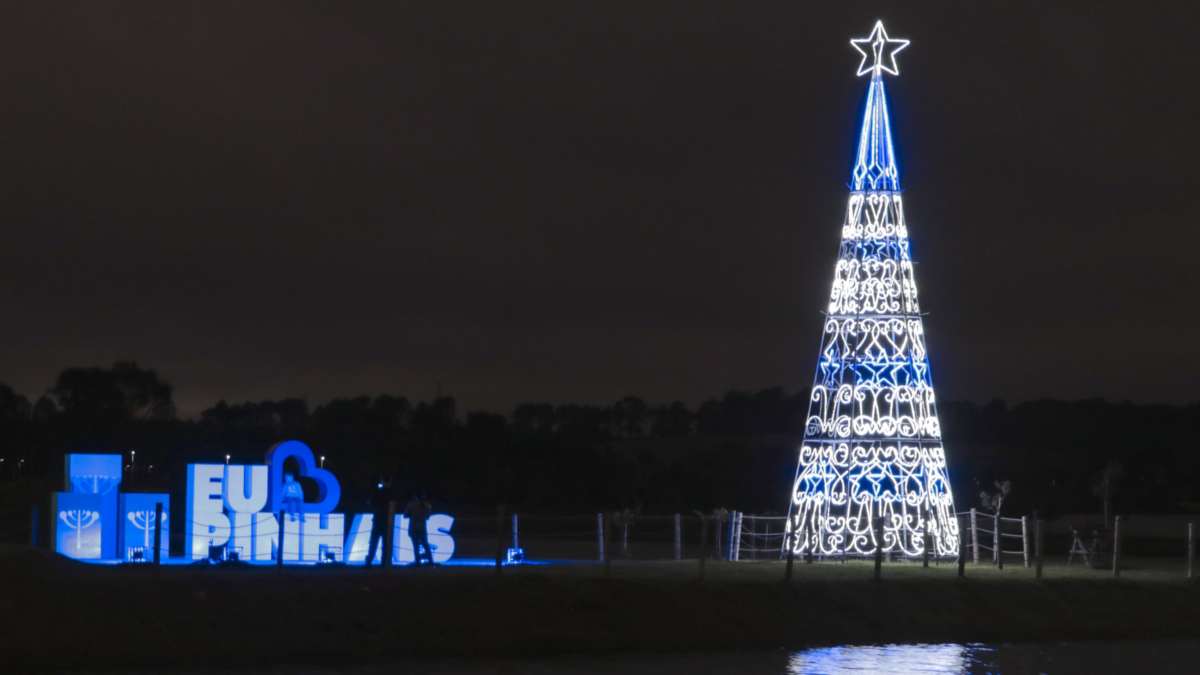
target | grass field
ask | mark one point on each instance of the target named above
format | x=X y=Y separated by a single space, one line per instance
x=61 y=615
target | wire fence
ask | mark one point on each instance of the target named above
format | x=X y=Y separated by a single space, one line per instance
x=996 y=535
x=1083 y=541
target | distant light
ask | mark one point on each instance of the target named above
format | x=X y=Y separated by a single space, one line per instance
x=226 y=459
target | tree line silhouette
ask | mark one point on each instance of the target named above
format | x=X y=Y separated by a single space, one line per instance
x=736 y=451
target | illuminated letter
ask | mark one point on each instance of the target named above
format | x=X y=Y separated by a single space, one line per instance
x=241 y=536
x=358 y=540
x=402 y=551
x=266 y=536
x=291 y=538
x=245 y=488
x=208 y=529
x=439 y=536
x=204 y=488
x=321 y=530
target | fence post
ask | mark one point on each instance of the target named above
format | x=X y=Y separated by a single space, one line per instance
x=791 y=559
x=1116 y=546
x=1037 y=545
x=735 y=547
x=34 y=520
x=962 y=551
x=1191 y=548
x=516 y=539
x=718 y=530
x=499 y=539
x=600 y=557
x=279 y=548
x=815 y=543
x=733 y=517
x=703 y=544
x=625 y=535
x=878 y=547
x=925 y=540
x=1025 y=541
x=157 y=533
x=997 y=559
x=678 y=537
x=974 y=538
x=608 y=545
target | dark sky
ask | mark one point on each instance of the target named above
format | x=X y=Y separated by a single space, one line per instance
x=575 y=201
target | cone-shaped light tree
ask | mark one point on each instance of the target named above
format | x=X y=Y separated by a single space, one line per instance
x=872 y=444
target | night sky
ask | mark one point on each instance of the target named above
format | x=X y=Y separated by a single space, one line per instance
x=511 y=201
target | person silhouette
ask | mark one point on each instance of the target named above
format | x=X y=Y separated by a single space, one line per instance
x=379 y=520
x=418 y=511
x=293 y=496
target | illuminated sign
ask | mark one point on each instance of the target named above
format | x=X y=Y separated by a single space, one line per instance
x=93 y=520
x=252 y=513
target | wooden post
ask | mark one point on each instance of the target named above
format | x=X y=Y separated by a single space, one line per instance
x=515 y=538
x=734 y=517
x=678 y=537
x=703 y=544
x=34 y=521
x=625 y=535
x=1116 y=546
x=815 y=544
x=962 y=552
x=718 y=523
x=1037 y=546
x=925 y=541
x=974 y=538
x=279 y=547
x=1191 y=548
x=997 y=559
x=608 y=545
x=735 y=537
x=158 y=513
x=600 y=537
x=878 y=548
x=1025 y=541
x=791 y=559
x=499 y=539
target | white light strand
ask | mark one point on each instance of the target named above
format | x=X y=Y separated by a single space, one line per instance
x=872 y=444
x=879 y=50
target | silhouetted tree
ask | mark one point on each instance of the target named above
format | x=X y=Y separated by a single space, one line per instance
x=122 y=393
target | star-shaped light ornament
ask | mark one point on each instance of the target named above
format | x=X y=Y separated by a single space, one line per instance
x=878 y=52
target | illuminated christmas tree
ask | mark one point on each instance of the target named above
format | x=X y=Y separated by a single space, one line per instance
x=872 y=444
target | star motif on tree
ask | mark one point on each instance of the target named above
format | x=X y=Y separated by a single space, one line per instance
x=880 y=50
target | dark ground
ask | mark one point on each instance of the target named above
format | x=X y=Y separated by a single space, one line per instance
x=61 y=615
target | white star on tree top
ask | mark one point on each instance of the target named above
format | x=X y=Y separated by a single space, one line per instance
x=880 y=49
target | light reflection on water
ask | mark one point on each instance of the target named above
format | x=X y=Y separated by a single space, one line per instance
x=1162 y=657
x=1165 y=657
x=948 y=659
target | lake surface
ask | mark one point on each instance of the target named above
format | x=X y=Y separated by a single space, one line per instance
x=1054 y=658
x=1082 y=658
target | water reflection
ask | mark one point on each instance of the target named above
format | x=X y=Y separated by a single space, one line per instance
x=950 y=659
x=1165 y=657
x=1060 y=658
